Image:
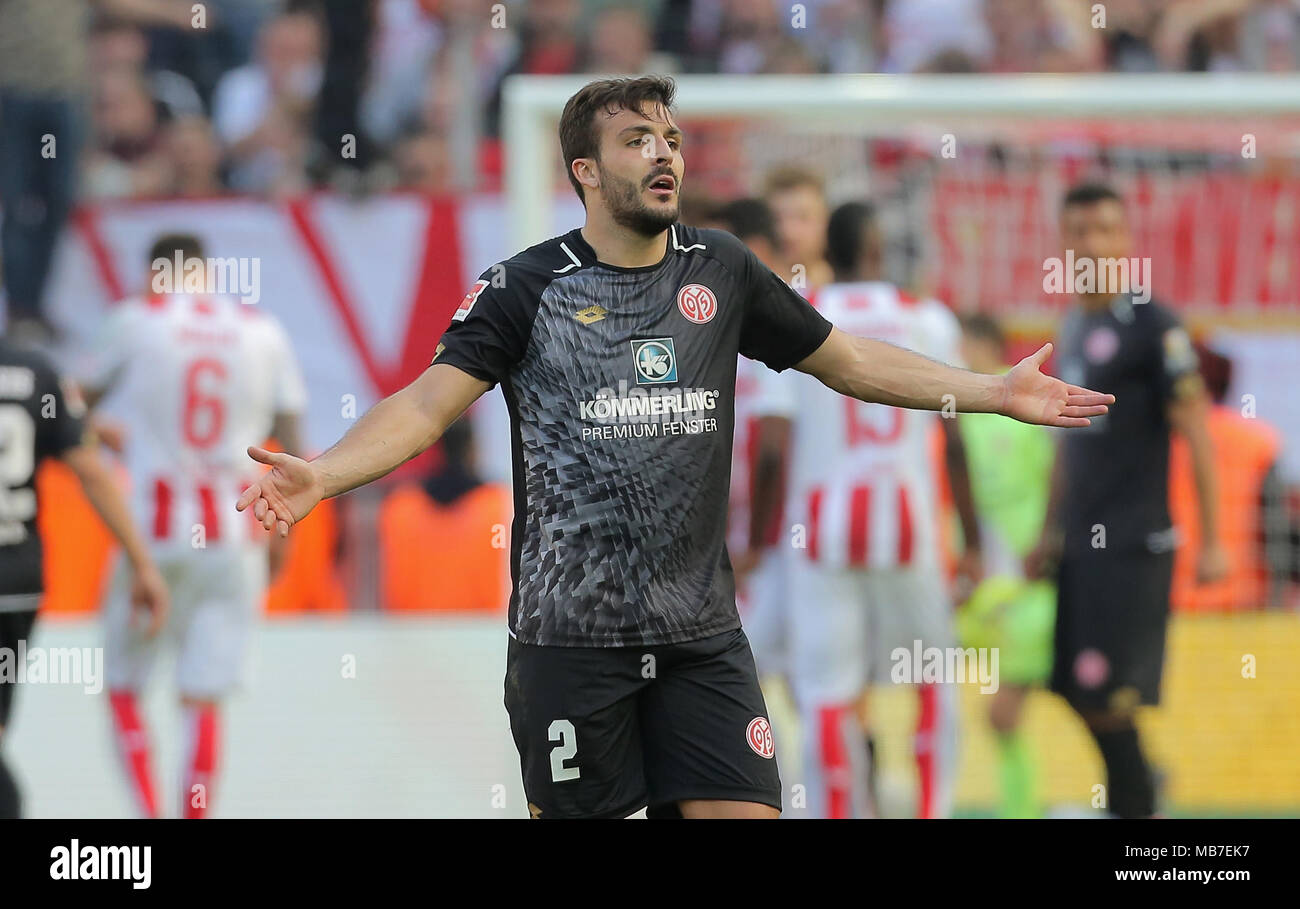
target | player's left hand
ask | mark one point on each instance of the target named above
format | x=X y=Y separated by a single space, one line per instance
x=1032 y=397
x=1212 y=565
x=150 y=599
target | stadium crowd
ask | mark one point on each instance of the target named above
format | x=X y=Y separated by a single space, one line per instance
x=260 y=97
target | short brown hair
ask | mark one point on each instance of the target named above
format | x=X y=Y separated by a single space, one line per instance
x=168 y=245
x=579 y=137
x=793 y=176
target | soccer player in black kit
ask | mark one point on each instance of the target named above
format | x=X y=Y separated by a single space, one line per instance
x=41 y=417
x=629 y=682
x=1108 y=532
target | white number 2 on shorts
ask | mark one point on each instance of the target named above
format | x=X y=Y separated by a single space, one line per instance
x=562 y=731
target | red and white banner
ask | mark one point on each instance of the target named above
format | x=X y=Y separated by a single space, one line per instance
x=363 y=287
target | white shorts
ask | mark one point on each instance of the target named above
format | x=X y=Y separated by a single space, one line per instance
x=846 y=623
x=765 y=612
x=216 y=595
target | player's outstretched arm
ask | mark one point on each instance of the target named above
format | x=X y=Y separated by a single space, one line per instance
x=882 y=373
x=389 y=434
x=148 y=589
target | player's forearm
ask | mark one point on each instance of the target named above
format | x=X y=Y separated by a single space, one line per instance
x=959 y=481
x=883 y=373
x=386 y=437
x=106 y=498
x=1055 y=496
x=1202 y=452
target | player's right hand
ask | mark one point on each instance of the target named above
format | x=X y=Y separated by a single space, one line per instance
x=284 y=494
x=150 y=599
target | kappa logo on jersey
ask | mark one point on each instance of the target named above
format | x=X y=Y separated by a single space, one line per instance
x=697 y=303
x=655 y=361
x=759 y=736
x=468 y=303
x=593 y=313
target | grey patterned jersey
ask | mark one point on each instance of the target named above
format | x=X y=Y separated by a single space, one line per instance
x=620 y=384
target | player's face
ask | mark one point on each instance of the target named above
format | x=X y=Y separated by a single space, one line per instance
x=1096 y=231
x=640 y=169
x=801 y=219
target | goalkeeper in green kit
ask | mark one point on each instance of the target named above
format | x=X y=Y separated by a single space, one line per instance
x=1010 y=471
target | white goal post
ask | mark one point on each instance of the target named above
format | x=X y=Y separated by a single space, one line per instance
x=532 y=105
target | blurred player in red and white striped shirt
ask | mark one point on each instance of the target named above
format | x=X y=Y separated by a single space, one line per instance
x=193 y=379
x=760 y=582
x=865 y=574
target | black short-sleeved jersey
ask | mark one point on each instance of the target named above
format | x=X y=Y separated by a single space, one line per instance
x=1118 y=468
x=620 y=384
x=38 y=419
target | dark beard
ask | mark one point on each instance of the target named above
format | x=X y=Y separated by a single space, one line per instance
x=627 y=209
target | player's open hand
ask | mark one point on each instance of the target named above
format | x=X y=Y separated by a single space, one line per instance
x=1032 y=397
x=150 y=600
x=284 y=494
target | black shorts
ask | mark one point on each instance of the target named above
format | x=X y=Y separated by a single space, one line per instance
x=14 y=627
x=1112 y=611
x=605 y=731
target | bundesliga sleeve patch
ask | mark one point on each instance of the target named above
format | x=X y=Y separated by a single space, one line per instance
x=468 y=303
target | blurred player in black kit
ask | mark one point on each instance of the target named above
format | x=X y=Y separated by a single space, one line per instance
x=41 y=417
x=1108 y=531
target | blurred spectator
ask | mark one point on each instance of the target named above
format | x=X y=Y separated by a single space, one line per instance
x=620 y=43
x=213 y=38
x=261 y=111
x=468 y=519
x=789 y=56
x=126 y=157
x=547 y=46
x=916 y=31
x=797 y=198
x=407 y=36
x=1229 y=35
x=349 y=26
x=1127 y=36
x=1251 y=506
x=42 y=80
x=842 y=34
x=194 y=158
x=748 y=36
x=423 y=163
x=116 y=44
x=1046 y=36
x=1271 y=37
